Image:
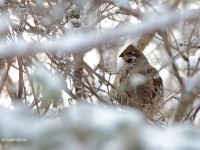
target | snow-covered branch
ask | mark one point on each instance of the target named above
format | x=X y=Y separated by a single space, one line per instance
x=84 y=41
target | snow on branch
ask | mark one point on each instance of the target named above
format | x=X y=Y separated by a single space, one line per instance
x=83 y=41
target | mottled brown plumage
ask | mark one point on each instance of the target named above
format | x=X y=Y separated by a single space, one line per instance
x=140 y=84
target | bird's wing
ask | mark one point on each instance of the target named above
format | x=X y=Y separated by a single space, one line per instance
x=155 y=84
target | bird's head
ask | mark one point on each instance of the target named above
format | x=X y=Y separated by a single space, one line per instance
x=133 y=56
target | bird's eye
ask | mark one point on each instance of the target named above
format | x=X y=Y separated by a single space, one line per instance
x=129 y=53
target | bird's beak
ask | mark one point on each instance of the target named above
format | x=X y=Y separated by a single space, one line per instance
x=121 y=55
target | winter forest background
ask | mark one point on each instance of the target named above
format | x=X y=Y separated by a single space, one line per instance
x=59 y=68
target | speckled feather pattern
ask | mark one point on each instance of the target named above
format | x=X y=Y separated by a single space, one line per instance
x=147 y=96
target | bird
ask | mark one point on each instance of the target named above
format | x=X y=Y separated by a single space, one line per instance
x=140 y=85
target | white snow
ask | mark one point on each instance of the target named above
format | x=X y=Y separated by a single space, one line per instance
x=192 y=84
x=88 y=127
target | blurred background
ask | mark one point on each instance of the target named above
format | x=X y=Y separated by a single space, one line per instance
x=60 y=67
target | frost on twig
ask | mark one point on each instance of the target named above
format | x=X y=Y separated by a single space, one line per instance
x=189 y=95
x=59 y=35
